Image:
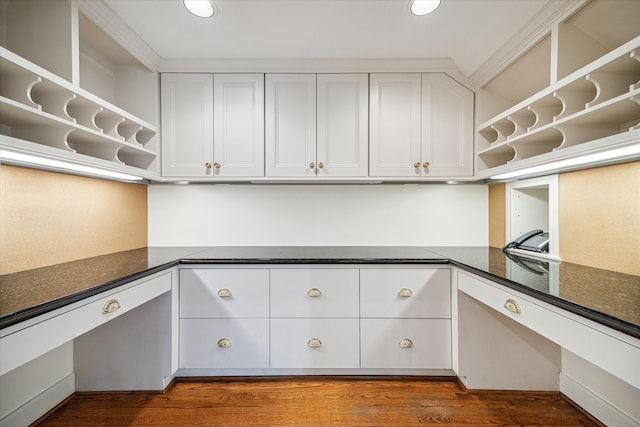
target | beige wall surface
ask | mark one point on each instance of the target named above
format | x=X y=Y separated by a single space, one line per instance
x=48 y=218
x=599 y=217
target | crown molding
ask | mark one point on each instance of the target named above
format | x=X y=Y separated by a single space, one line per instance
x=538 y=27
x=105 y=18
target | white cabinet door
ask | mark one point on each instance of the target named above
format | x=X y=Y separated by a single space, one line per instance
x=406 y=343
x=447 y=127
x=395 y=102
x=303 y=292
x=238 y=101
x=220 y=293
x=315 y=343
x=405 y=293
x=290 y=125
x=343 y=133
x=224 y=343
x=187 y=124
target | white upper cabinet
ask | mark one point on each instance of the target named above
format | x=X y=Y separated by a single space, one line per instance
x=343 y=131
x=395 y=125
x=421 y=126
x=213 y=125
x=187 y=124
x=238 y=124
x=290 y=128
x=447 y=127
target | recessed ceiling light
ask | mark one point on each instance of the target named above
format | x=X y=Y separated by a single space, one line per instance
x=424 y=7
x=201 y=8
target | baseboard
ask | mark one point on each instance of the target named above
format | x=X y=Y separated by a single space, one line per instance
x=32 y=410
x=597 y=407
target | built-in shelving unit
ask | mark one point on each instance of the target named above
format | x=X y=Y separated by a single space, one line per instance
x=83 y=93
x=592 y=94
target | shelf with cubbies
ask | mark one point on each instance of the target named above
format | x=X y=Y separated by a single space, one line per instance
x=599 y=100
x=38 y=106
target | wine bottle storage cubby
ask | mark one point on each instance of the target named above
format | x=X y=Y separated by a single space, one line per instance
x=600 y=100
x=39 y=107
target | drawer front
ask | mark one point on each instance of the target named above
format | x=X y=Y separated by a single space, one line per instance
x=224 y=293
x=29 y=343
x=292 y=346
x=615 y=356
x=314 y=292
x=202 y=343
x=407 y=293
x=406 y=343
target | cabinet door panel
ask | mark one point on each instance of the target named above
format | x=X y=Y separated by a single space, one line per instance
x=239 y=124
x=248 y=343
x=187 y=124
x=429 y=290
x=290 y=126
x=430 y=343
x=336 y=293
x=248 y=293
x=447 y=127
x=338 y=343
x=394 y=124
x=343 y=133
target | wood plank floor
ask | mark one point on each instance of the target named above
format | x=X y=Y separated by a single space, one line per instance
x=318 y=402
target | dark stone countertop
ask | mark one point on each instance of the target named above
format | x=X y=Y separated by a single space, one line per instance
x=607 y=297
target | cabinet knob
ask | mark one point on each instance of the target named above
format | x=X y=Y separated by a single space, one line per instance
x=405 y=343
x=314 y=292
x=405 y=293
x=110 y=306
x=224 y=343
x=224 y=293
x=426 y=165
x=320 y=165
x=312 y=165
x=416 y=165
x=314 y=343
x=217 y=165
x=208 y=165
x=512 y=306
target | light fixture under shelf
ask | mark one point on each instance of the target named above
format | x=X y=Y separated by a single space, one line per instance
x=423 y=7
x=627 y=153
x=29 y=160
x=200 y=8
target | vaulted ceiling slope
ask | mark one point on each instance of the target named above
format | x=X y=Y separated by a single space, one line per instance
x=467 y=31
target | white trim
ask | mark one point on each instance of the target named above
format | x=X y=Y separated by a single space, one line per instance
x=594 y=404
x=39 y=405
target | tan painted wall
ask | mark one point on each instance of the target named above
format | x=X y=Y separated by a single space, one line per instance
x=48 y=218
x=599 y=215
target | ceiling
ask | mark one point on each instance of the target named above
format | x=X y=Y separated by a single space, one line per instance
x=467 y=31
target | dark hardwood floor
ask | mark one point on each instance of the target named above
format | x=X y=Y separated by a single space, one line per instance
x=318 y=402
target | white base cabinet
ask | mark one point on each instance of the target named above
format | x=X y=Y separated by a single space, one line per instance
x=315 y=319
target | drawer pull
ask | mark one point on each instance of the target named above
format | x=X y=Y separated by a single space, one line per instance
x=512 y=306
x=405 y=343
x=405 y=293
x=314 y=343
x=224 y=293
x=314 y=292
x=224 y=343
x=110 y=306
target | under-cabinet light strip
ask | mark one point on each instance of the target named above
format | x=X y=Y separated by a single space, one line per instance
x=30 y=160
x=595 y=158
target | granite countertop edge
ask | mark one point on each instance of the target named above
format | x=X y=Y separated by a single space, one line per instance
x=193 y=259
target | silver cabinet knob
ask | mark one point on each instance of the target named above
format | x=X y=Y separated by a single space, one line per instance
x=314 y=292
x=513 y=306
x=314 y=343
x=405 y=293
x=224 y=343
x=405 y=343
x=110 y=306
x=224 y=293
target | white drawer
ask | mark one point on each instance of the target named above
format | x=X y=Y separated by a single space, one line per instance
x=336 y=293
x=28 y=343
x=384 y=343
x=224 y=293
x=602 y=346
x=407 y=293
x=201 y=345
x=338 y=345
